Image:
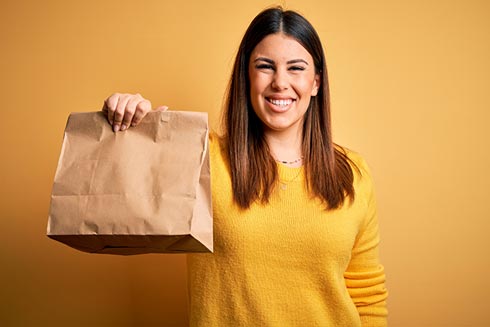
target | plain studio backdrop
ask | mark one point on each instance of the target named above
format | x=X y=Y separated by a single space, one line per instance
x=408 y=80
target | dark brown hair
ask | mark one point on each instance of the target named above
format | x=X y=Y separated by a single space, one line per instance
x=328 y=171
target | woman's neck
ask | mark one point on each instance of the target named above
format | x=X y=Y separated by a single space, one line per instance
x=286 y=146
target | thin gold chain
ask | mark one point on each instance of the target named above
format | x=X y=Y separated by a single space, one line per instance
x=284 y=183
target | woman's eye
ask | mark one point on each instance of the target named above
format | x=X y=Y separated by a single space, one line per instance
x=264 y=66
x=297 y=68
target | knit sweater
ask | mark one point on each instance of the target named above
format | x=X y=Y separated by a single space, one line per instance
x=289 y=262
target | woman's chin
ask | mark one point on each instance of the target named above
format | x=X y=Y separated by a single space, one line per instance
x=281 y=126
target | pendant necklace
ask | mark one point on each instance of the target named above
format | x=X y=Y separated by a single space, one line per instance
x=283 y=184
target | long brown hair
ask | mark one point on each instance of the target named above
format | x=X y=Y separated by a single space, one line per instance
x=328 y=170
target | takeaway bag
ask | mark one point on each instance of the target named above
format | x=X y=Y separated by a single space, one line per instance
x=144 y=190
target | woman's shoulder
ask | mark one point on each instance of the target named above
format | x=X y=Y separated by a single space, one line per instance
x=214 y=137
x=359 y=166
x=355 y=158
x=216 y=141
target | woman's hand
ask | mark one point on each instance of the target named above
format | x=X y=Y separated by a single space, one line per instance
x=124 y=110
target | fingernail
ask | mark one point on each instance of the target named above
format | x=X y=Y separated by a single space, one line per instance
x=123 y=127
x=116 y=128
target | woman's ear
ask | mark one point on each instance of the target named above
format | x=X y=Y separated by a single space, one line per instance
x=316 y=85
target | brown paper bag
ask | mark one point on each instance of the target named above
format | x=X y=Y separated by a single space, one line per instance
x=144 y=190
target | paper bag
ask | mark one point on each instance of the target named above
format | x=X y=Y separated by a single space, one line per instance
x=144 y=190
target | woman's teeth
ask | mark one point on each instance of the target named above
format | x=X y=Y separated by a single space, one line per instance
x=281 y=103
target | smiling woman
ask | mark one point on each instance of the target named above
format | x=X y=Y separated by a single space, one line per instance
x=283 y=80
x=304 y=253
x=281 y=58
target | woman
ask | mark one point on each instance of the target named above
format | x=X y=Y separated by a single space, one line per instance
x=296 y=231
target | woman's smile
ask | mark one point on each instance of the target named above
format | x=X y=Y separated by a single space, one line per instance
x=280 y=105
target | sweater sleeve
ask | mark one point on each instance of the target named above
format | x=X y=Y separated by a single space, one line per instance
x=365 y=277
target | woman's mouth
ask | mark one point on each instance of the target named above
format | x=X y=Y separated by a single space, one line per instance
x=280 y=102
x=280 y=105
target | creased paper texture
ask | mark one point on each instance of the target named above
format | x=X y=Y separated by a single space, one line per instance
x=144 y=190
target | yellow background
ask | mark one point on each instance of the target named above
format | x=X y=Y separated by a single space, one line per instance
x=409 y=84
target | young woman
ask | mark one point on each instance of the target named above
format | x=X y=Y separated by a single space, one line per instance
x=296 y=230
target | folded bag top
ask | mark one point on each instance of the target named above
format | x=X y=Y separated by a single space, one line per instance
x=144 y=190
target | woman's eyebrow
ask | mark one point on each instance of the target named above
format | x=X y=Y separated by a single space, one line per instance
x=270 y=61
x=295 y=61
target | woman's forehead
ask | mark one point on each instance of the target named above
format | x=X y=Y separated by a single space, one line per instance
x=280 y=47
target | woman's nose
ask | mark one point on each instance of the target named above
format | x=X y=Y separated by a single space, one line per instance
x=280 y=81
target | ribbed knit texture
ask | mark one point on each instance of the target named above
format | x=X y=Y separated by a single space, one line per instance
x=289 y=262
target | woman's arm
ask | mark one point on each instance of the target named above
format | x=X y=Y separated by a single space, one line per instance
x=365 y=276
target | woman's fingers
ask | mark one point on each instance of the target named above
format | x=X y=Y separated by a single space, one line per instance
x=129 y=111
x=141 y=109
x=162 y=108
x=125 y=110
x=121 y=109
x=110 y=105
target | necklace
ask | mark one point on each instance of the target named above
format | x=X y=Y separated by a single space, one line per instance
x=283 y=184
x=290 y=162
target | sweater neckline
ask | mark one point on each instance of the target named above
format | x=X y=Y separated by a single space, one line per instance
x=290 y=174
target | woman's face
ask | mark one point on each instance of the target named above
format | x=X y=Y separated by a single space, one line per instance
x=282 y=81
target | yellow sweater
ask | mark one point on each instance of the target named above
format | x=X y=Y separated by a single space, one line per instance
x=290 y=262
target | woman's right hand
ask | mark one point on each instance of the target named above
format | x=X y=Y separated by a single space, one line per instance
x=124 y=110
